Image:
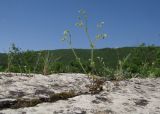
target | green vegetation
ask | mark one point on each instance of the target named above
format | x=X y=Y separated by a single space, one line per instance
x=144 y=61
x=120 y=63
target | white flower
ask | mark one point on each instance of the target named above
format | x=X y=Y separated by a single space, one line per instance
x=98 y=57
x=82 y=12
x=100 y=24
x=105 y=35
x=79 y=24
x=66 y=32
x=101 y=36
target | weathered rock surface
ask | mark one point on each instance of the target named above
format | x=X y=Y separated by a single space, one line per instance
x=134 y=96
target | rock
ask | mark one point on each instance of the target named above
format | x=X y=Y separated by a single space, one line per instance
x=70 y=94
x=38 y=88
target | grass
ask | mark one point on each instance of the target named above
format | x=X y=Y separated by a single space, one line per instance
x=139 y=63
x=46 y=64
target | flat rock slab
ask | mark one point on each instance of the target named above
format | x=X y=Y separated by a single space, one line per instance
x=20 y=86
x=134 y=96
x=19 y=90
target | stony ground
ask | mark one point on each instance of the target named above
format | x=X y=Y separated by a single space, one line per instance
x=48 y=95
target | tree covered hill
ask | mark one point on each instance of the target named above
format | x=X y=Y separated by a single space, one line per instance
x=63 y=60
x=110 y=55
x=65 y=56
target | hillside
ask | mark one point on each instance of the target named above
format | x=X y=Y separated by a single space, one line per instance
x=65 y=56
x=143 y=59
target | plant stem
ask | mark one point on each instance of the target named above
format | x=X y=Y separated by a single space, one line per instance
x=78 y=59
x=91 y=46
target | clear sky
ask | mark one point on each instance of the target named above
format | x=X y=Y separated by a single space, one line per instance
x=39 y=24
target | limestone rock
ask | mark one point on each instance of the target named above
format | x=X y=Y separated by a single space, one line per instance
x=134 y=96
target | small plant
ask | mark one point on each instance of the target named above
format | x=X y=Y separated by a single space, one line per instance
x=120 y=72
x=9 y=64
x=37 y=62
x=49 y=63
x=13 y=59
x=46 y=64
x=67 y=38
x=105 y=70
x=83 y=24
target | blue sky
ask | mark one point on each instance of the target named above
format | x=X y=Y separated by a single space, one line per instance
x=39 y=24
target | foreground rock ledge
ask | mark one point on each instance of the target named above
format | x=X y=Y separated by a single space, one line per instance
x=134 y=96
